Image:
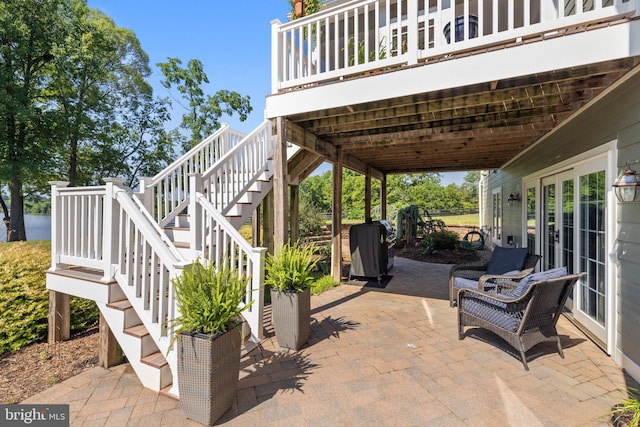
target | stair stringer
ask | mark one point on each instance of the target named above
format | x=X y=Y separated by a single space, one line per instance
x=151 y=377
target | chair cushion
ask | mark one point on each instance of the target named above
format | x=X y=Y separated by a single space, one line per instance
x=461 y=282
x=524 y=284
x=506 y=259
x=495 y=312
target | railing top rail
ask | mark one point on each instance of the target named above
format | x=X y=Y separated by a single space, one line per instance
x=153 y=234
x=92 y=190
x=333 y=10
x=169 y=169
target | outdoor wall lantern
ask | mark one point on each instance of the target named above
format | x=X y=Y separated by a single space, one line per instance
x=513 y=199
x=627 y=185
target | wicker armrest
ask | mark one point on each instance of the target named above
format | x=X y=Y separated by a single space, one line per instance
x=498 y=278
x=499 y=298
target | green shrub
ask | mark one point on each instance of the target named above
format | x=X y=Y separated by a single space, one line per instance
x=323 y=263
x=312 y=220
x=24 y=299
x=440 y=240
x=323 y=284
x=208 y=298
x=291 y=269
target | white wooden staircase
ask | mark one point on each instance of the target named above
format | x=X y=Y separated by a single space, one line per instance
x=122 y=248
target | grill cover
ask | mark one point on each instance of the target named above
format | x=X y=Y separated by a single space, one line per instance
x=369 y=250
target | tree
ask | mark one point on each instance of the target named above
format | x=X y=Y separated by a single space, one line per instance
x=100 y=81
x=202 y=111
x=29 y=33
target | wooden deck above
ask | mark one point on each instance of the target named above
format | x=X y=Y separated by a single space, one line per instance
x=475 y=108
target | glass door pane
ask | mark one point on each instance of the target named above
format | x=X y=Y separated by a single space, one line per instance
x=592 y=246
x=549 y=235
x=531 y=220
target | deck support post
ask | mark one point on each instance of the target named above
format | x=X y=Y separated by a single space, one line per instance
x=59 y=317
x=367 y=194
x=256 y=225
x=280 y=183
x=294 y=212
x=383 y=197
x=109 y=351
x=267 y=222
x=336 y=222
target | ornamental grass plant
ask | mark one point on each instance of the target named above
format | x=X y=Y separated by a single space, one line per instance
x=627 y=412
x=209 y=298
x=291 y=269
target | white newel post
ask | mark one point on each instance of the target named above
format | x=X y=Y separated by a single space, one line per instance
x=195 y=215
x=110 y=218
x=277 y=52
x=256 y=312
x=145 y=193
x=174 y=313
x=56 y=221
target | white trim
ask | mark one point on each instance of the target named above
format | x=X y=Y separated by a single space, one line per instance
x=497 y=190
x=629 y=365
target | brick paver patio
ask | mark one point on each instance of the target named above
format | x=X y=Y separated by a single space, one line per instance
x=386 y=357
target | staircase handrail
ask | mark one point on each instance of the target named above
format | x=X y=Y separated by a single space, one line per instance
x=160 y=233
x=242 y=164
x=146 y=265
x=166 y=194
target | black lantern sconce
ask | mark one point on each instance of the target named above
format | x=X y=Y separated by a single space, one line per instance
x=513 y=199
x=627 y=185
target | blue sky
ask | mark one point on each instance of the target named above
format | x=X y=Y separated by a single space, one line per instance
x=231 y=38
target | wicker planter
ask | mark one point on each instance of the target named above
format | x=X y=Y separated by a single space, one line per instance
x=291 y=317
x=208 y=371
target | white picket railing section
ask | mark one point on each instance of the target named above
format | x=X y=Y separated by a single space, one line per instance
x=218 y=241
x=104 y=228
x=366 y=35
x=166 y=194
x=234 y=174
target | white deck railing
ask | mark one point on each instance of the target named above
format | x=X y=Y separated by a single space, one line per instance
x=366 y=35
x=233 y=175
x=219 y=242
x=166 y=194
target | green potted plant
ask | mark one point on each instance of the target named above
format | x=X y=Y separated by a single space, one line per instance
x=289 y=274
x=208 y=332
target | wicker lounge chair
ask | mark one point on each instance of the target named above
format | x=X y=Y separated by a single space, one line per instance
x=523 y=316
x=506 y=265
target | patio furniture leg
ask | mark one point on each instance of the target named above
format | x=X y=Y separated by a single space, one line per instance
x=524 y=360
x=560 y=347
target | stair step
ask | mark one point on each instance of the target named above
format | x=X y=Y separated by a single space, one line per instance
x=138 y=331
x=157 y=360
x=84 y=273
x=167 y=392
x=185 y=245
x=121 y=305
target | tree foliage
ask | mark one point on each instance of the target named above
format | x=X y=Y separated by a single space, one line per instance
x=202 y=111
x=76 y=104
x=425 y=190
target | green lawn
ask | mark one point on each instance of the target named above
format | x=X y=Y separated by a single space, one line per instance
x=460 y=220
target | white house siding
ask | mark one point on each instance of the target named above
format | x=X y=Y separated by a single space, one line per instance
x=614 y=117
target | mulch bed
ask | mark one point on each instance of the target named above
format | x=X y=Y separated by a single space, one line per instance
x=37 y=367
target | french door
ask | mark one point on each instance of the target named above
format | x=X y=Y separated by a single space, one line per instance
x=558 y=221
x=572 y=230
